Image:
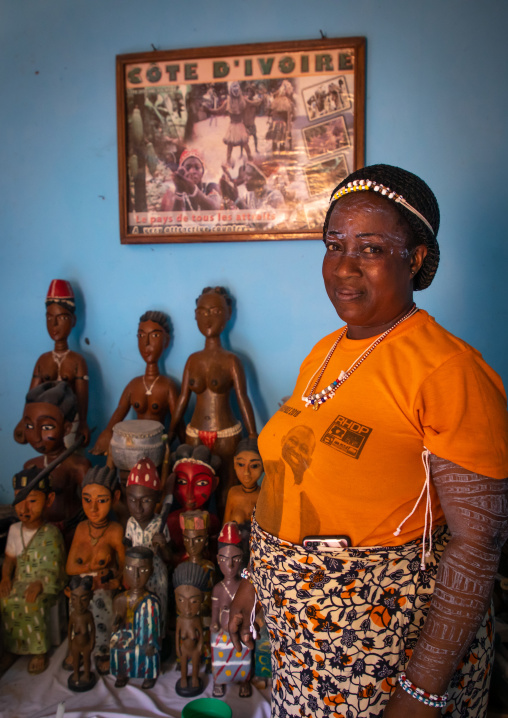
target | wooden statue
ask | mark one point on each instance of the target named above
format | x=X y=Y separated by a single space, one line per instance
x=152 y=396
x=47 y=419
x=62 y=364
x=189 y=581
x=249 y=469
x=146 y=528
x=211 y=374
x=97 y=550
x=81 y=633
x=194 y=480
x=228 y=665
x=195 y=529
x=136 y=638
x=32 y=574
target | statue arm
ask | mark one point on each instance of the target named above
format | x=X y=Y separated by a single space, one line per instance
x=182 y=402
x=244 y=404
x=81 y=386
x=8 y=569
x=476 y=511
x=102 y=444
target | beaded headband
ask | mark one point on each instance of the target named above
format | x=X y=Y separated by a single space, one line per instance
x=192 y=461
x=359 y=185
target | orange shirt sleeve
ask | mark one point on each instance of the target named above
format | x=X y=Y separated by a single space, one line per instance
x=461 y=407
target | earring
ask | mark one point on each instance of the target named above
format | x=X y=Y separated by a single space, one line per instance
x=412 y=272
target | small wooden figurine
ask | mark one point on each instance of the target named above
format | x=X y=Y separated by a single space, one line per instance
x=211 y=374
x=62 y=364
x=97 y=549
x=32 y=574
x=81 y=634
x=136 y=638
x=249 y=469
x=228 y=665
x=189 y=581
x=146 y=528
x=47 y=421
x=194 y=480
x=152 y=396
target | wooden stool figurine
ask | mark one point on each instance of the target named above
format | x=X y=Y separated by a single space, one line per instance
x=190 y=582
x=81 y=633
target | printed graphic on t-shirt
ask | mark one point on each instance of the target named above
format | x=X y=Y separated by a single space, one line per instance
x=286 y=409
x=347 y=436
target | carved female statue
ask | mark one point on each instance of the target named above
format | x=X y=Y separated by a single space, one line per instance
x=212 y=374
x=152 y=396
x=248 y=468
x=97 y=550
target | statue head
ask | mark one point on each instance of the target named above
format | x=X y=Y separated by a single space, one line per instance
x=195 y=476
x=49 y=411
x=213 y=311
x=60 y=309
x=138 y=567
x=248 y=464
x=153 y=335
x=143 y=491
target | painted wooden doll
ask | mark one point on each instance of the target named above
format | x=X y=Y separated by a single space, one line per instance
x=33 y=574
x=136 y=639
x=146 y=528
x=228 y=665
x=97 y=550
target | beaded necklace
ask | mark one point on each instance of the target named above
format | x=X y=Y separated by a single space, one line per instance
x=315 y=400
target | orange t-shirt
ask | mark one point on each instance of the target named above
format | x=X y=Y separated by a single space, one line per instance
x=355 y=466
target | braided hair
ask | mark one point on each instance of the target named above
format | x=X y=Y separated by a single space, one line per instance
x=416 y=193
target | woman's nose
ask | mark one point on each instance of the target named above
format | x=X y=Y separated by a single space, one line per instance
x=347 y=264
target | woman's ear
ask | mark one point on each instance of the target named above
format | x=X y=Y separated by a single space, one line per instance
x=417 y=256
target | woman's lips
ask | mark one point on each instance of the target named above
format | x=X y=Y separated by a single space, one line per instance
x=347 y=295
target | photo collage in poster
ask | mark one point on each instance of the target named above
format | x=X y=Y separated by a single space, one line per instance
x=237 y=145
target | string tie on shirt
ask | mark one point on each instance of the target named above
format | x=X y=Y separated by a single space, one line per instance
x=427 y=531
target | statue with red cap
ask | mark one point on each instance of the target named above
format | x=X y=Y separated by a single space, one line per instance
x=146 y=528
x=228 y=664
x=62 y=364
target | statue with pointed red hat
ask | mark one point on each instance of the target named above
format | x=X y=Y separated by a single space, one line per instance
x=62 y=364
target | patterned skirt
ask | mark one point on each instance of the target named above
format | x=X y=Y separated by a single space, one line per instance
x=343 y=624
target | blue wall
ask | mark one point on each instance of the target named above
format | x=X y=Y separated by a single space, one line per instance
x=437 y=104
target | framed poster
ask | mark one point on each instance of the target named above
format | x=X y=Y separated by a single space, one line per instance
x=236 y=143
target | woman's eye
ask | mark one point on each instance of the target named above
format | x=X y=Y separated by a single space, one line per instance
x=371 y=249
x=333 y=246
x=48 y=427
x=182 y=482
x=28 y=425
x=203 y=482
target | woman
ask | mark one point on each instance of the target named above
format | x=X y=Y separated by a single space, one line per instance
x=190 y=192
x=212 y=374
x=407 y=464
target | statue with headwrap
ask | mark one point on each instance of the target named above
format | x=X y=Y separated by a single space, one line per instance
x=62 y=364
x=32 y=574
x=47 y=419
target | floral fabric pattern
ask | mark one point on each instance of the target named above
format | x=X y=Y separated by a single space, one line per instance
x=343 y=625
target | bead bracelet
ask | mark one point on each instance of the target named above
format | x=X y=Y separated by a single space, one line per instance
x=245 y=574
x=429 y=699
